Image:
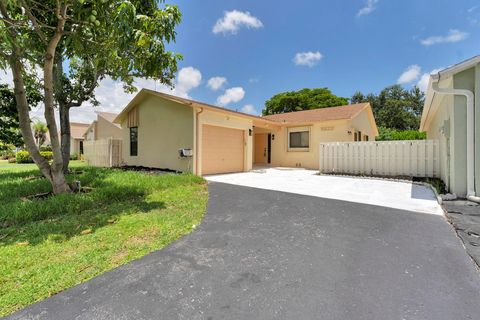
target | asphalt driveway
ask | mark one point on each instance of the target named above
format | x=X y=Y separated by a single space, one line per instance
x=262 y=254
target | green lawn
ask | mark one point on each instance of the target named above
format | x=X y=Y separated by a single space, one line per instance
x=52 y=244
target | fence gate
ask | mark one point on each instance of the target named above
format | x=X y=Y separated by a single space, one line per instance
x=413 y=158
x=103 y=153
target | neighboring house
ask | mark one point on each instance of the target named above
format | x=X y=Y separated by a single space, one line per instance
x=76 y=137
x=156 y=126
x=103 y=127
x=451 y=114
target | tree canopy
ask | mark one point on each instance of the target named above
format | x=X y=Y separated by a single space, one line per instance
x=395 y=107
x=9 y=127
x=95 y=39
x=304 y=99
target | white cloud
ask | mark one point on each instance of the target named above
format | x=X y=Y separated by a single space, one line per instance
x=188 y=78
x=215 y=83
x=234 y=94
x=453 y=35
x=253 y=80
x=369 y=7
x=232 y=21
x=249 y=108
x=6 y=77
x=307 y=58
x=471 y=9
x=410 y=74
x=113 y=98
x=423 y=82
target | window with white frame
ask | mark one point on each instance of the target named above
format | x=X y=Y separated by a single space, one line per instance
x=298 y=139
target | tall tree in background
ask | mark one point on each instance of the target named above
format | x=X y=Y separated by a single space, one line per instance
x=117 y=38
x=304 y=99
x=9 y=126
x=395 y=107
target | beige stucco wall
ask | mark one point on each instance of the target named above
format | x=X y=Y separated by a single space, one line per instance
x=105 y=129
x=326 y=131
x=74 y=146
x=164 y=127
x=210 y=117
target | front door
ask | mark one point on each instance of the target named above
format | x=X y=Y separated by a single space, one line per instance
x=261 y=148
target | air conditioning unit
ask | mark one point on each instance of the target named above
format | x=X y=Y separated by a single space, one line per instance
x=185 y=153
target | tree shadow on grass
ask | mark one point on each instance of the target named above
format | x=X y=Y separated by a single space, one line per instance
x=62 y=228
x=61 y=217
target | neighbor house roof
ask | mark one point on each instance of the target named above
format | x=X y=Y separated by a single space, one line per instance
x=321 y=114
x=78 y=129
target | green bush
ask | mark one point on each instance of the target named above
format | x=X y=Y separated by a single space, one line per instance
x=24 y=156
x=47 y=154
x=74 y=156
x=46 y=148
x=386 y=134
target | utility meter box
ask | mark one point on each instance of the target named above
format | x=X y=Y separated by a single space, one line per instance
x=185 y=153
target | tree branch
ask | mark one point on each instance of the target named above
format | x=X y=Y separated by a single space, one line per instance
x=35 y=24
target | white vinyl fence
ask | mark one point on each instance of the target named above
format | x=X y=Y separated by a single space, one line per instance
x=103 y=153
x=413 y=158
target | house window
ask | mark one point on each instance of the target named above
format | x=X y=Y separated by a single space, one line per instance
x=81 y=147
x=365 y=138
x=299 y=139
x=134 y=141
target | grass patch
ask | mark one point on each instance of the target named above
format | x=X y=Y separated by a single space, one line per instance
x=52 y=244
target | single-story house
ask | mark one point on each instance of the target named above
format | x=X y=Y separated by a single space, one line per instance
x=451 y=114
x=103 y=127
x=76 y=137
x=168 y=132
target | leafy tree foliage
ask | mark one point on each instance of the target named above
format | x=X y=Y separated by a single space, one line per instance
x=395 y=107
x=94 y=38
x=9 y=128
x=393 y=134
x=304 y=99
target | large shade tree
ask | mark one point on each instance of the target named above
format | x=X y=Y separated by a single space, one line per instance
x=304 y=99
x=91 y=40
x=395 y=107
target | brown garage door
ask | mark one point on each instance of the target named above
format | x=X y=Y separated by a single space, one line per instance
x=222 y=150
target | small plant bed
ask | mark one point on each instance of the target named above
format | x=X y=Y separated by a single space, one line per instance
x=51 y=243
x=148 y=170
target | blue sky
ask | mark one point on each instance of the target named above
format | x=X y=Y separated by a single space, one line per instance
x=345 y=45
x=363 y=52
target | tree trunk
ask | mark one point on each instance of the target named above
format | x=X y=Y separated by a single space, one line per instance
x=65 y=135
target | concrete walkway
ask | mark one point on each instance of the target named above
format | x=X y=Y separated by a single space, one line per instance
x=379 y=192
x=262 y=254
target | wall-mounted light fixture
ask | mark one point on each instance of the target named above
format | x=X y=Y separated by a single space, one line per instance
x=273 y=137
x=349 y=132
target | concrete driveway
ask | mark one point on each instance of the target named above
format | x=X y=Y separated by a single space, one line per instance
x=379 y=192
x=262 y=254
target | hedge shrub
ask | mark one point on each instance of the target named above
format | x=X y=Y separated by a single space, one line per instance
x=386 y=134
x=24 y=156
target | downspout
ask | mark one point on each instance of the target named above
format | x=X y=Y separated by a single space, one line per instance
x=197 y=113
x=470 y=135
